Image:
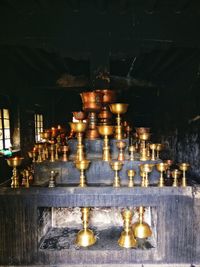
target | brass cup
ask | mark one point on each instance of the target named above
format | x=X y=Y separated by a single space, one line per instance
x=85 y=237
x=106 y=130
x=146 y=169
x=109 y=96
x=131 y=174
x=175 y=174
x=161 y=167
x=118 y=108
x=14 y=163
x=153 y=148
x=116 y=166
x=141 y=229
x=159 y=147
x=127 y=239
x=78 y=127
x=184 y=167
x=121 y=146
x=92 y=101
x=82 y=166
x=144 y=136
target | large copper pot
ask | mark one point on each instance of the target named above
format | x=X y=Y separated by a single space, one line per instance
x=92 y=101
x=109 y=96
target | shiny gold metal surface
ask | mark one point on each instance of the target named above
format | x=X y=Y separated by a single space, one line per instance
x=106 y=131
x=131 y=174
x=82 y=166
x=153 y=149
x=159 y=147
x=127 y=239
x=118 y=109
x=161 y=167
x=14 y=163
x=175 y=174
x=79 y=128
x=92 y=101
x=116 y=166
x=121 y=145
x=85 y=237
x=184 y=167
x=131 y=150
x=109 y=96
x=141 y=229
x=141 y=130
x=146 y=169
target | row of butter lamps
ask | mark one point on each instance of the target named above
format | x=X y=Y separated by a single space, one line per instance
x=129 y=235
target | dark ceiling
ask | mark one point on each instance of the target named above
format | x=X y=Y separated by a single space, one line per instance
x=143 y=46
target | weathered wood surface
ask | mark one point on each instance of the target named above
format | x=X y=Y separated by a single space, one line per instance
x=177 y=222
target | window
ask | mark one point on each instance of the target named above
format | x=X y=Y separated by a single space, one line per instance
x=5 y=141
x=38 y=126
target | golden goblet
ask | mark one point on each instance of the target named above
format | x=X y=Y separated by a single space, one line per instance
x=146 y=169
x=121 y=146
x=106 y=130
x=14 y=163
x=175 y=174
x=143 y=137
x=153 y=148
x=127 y=239
x=131 y=150
x=118 y=109
x=159 y=147
x=79 y=128
x=65 y=150
x=116 y=166
x=85 y=237
x=161 y=167
x=184 y=167
x=131 y=174
x=141 y=229
x=82 y=166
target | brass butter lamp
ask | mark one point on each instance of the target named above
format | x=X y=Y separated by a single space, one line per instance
x=127 y=239
x=184 y=167
x=82 y=166
x=14 y=163
x=118 y=109
x=159 y=147
x=175 y=174
x=121 y=145
x=153 y=149
x=79 y=128
x=116 y=166
x=146 y=169
x=106 y=131
x=131 y=174
x=141 y=229
x=85 y=237
x=161 y=167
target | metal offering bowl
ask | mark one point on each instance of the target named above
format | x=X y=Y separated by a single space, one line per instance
x=82 y=164
x=161 y=167
x=78 y=127
x=15 y=162
x=144 y=136
x=116 y=165
x=184 y=166
x=79 y=115
x=118 y=108
x=106 y=130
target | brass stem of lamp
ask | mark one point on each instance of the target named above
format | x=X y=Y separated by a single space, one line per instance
x=184 y=167
x=161 y=167
x=127 y=239
x=146 y=169
x=116 y=166
x=39 y=160
x=143 y=154
x=56 y=151
x=153 y=149
x=106 y=149
x=82 y=166
x=175 y=174
x=118 y=109
x=159 y=147
x=121 y=146
x=65 y=150
x=131 y=151
x=80 y=148
x=52 y=158
x=141 y=229
x=85 y=237
x=131 y=174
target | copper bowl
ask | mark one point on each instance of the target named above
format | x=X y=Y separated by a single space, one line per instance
x=79 y=115
x=92 y=101
x=109 y=96
x=105 y=114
